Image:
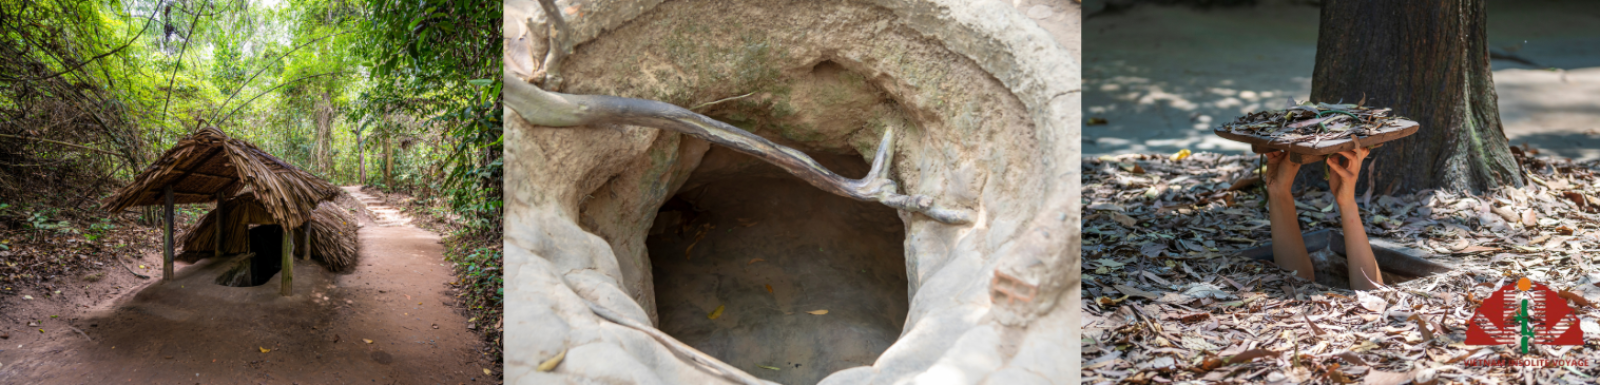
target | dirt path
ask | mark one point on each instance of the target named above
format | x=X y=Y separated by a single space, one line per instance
x=193 y=331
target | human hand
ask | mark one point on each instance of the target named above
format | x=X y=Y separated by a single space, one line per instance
x=1346 y=167
x=1280 y=172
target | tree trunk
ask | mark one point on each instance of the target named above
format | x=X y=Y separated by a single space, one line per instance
x=1430 y=62
x=323 y=142
x=388 y=162
x=361 y=159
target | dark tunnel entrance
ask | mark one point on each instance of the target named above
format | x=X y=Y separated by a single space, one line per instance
x=770 y=251
x=264 y=261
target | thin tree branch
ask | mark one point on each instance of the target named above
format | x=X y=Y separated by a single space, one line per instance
x=78 y=146
x=274 y=88
x=130 y=41
x=263 y=69
x=194 y=24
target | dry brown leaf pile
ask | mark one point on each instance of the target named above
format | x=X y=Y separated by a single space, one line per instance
x=1167 y=299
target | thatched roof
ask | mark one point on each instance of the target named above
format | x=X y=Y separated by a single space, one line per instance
x=333 y=232
x=208 y=162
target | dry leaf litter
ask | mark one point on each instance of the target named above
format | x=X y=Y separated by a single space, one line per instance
x=1168 y=299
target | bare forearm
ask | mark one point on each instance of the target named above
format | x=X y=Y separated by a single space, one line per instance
x=1288 y=247
x=1357 y=250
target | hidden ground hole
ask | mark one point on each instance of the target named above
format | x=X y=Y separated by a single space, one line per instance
x=261 y=264
x=771 y=250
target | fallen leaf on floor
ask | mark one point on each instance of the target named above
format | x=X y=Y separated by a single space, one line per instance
x=818 y=312
x=767 y=367
x=486 y=372
x=1314 y=329
x=1184 y=153
x=1108 y=301
x=755 y=260
x=264 y=350
x=1575 y=298
x=1133 y=291
x=715 y=313
x=1206 y=290
x=1422 y=325
x=366 y=340
x=701 y=235
x=1124 y=220
x=1379 y=377
x=142 y=266
x=769 y=288
x=1371 y=302
x=1248 y=355
x=549 y=364
x=1338 y=377
x=1353 y=359
x=27 y=297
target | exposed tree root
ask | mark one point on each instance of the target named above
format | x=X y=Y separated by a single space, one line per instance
x=552 y=109
x=677 y=347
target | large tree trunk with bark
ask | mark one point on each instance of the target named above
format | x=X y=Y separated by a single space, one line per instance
x=388 y=161
x=323 y=142
x=1430 y=62
x=361 y=159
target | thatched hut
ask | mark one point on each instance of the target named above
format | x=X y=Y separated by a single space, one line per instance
x=209 y=166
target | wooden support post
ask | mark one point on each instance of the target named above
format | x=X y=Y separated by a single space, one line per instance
x=287 y=279
x=219 y=222
x=166 y=259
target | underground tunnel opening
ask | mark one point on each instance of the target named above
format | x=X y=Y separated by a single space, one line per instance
x=1397 y=262
x=263 y=262
x=759 y=269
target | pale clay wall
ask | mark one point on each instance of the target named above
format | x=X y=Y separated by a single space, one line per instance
x=1021 y=181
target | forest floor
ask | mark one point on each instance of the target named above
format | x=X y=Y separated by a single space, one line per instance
x=394 y=320
x=1169 y=298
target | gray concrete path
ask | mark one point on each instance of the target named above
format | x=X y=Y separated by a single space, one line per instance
x=1163 y=76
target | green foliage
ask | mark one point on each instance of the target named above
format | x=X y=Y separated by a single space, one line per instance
x=334 y=87
x=438 y=61
x=432 y=107
x=481 y=277
x=98 y=230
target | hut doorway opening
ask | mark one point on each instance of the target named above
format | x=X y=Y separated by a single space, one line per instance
x=263 y=262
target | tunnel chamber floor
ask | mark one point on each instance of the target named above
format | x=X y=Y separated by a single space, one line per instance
x=770 y=250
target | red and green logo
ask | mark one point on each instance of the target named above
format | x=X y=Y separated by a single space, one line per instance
x=1525 y=313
